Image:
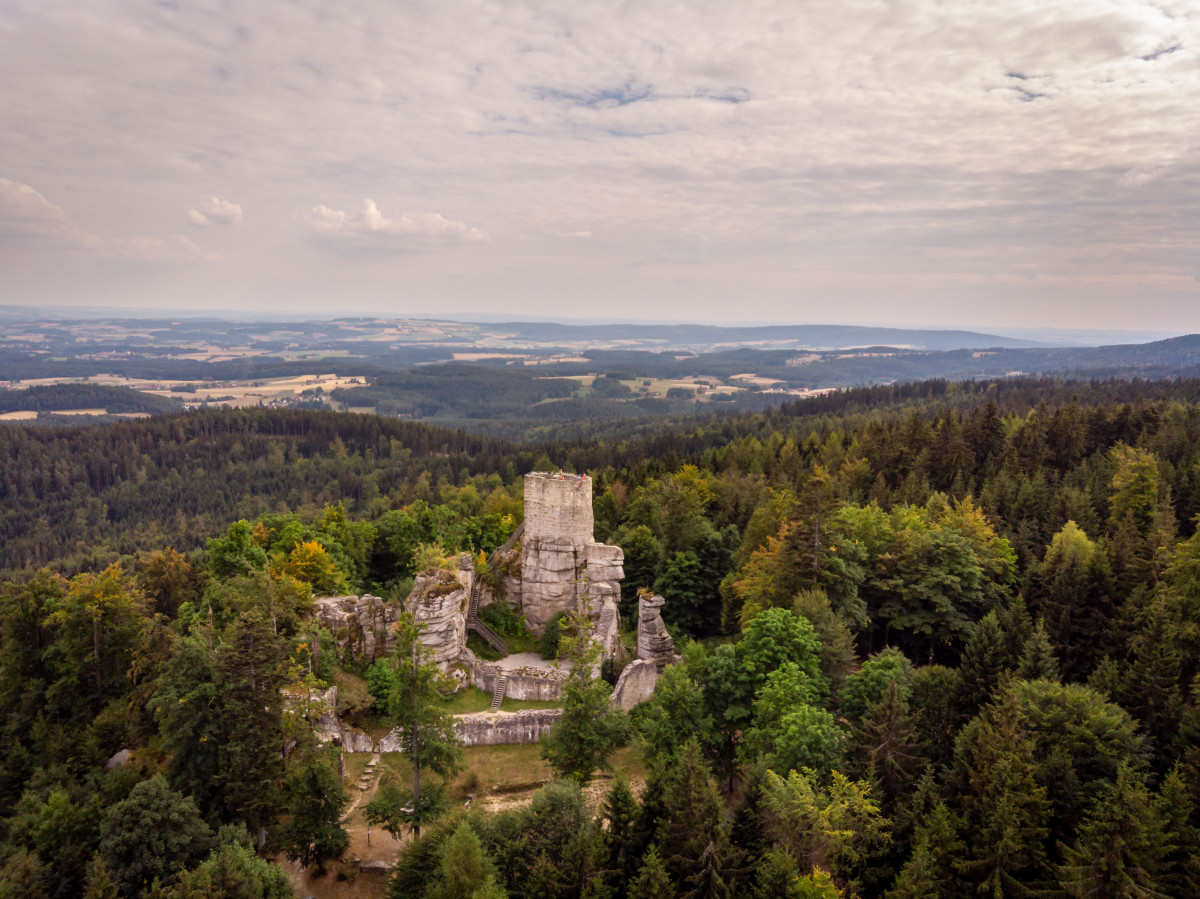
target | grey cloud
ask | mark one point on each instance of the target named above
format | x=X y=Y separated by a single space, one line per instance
x=835 y=149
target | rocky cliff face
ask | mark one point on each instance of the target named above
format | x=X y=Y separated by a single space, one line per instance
x=364 y=623
x=439 y=600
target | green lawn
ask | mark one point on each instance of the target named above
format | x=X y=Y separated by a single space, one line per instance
x=471 y=699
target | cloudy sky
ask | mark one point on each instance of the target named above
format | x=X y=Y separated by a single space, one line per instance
x=999 y=163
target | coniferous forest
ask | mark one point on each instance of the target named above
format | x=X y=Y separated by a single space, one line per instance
x=937 y=640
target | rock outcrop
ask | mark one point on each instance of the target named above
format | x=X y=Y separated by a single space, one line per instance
x=365 y=624
x=439 y=600
x=653 y=641
x=636 y=683
x=562 y=566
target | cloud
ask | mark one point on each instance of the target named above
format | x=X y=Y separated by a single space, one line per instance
x=216 y=212
x=921 y=142
x=371 y=228
x=27 y=217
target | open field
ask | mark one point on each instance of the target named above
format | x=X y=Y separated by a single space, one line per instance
x=234 y=394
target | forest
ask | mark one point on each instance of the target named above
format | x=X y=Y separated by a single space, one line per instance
x=939 y=639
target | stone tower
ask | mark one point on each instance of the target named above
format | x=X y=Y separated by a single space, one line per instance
x=561 y=563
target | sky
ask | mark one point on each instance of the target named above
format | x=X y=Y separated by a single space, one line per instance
x=926 y=162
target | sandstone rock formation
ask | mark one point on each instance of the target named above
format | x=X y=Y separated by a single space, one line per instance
x=653 y=641
x=363 y=623
x=561 y=564
x=439 y=600
x=636 y=683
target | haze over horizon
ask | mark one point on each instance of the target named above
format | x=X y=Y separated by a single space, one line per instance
x=1012 y=166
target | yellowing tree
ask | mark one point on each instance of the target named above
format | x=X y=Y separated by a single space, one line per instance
x=310 y=562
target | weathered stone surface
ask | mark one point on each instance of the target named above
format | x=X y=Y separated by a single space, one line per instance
x=653 y=641
x=374 y=866
x=607 y=631
x=505 y=728
x=528 y=682
x=121 y=757
x=439 y=601
x=561 y=565
x=636 y=683
x=364 y=623
x=558 y=505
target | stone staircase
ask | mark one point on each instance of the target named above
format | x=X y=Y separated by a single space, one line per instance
x=498 y=693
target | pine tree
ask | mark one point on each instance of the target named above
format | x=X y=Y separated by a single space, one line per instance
x=1037 y=661
x=693 y=820
x=652 y=882
x=424 y=727
x=983 y=662
x=1120 y=845
x=620 y=812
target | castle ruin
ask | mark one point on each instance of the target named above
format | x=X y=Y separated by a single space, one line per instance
x=551 y=564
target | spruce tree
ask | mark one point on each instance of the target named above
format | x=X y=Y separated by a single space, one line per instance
x=424 y=727
x=620 y=812
x=652 y=882
x=1004 y=809
x=692 y=832
x=1038 y=661
x=464 y=868
x=884 y=747
x=983 y=662
x=1120 y=846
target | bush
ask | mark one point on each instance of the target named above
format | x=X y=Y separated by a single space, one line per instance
x=548 y=642
x=503 y=619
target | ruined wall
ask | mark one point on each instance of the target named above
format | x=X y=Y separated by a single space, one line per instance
x=505 y=728
x=543 y=684
x=558 y=506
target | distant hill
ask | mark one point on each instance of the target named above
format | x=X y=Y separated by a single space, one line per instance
x=63 y=397
x=815 y=336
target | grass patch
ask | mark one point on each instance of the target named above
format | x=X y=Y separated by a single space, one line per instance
x=472 y=699
x=504 y=769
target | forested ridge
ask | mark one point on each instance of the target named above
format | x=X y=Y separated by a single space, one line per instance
x=939 y=639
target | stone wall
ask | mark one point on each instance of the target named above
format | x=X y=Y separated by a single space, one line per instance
x=636 y=683
x=505 y=728
x=558 y=506
x=485 y=729
x=543 y=684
